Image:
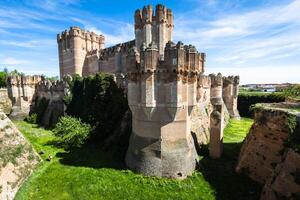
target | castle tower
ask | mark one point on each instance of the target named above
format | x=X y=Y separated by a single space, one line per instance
x=161 y=96
x=216 y=117
x=73 y=45
x=153 y=26
x=230 y=95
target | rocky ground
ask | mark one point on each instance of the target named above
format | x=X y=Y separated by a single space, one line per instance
x=17 y=158
x=270 y=153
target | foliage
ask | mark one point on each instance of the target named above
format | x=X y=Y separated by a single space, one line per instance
x=294 y=133
x=3 y=76
x=71 y=132
x=39 y=109
x=98 y=101
x=16 y=73
x=245 y=100
x=91 y=173
x=51 y=78
x=292 y=91
x=32 y=118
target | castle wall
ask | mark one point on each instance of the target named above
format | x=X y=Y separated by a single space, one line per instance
x=5 y=103
x=200 y=116
x=21 y=91
x=113 y=59
x=267 y=155
x=24 y=93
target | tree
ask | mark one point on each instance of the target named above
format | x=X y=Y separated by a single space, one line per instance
x=3 y=76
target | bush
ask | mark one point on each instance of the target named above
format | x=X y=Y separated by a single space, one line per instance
x=292 y=91
x=39 y=109
x=245 y=100
x=71 y=132
x=3 y=79
x=32 y=118
x=98 y=101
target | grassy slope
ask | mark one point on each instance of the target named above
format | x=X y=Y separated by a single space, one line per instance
x=90 y=173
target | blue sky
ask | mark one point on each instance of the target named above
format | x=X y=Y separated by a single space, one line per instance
x=257 y=39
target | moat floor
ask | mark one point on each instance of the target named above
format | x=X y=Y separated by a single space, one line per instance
x=90 y=173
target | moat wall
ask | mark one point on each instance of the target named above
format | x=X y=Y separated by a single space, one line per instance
x=268 y=155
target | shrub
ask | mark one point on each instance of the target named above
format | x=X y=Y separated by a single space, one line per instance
x=32 y=118
x=292 y=91
x=71 y=132
x=245 y=100
x=39 y=109
x=3 y=79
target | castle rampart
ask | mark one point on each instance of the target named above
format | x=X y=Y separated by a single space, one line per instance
x=25 y=92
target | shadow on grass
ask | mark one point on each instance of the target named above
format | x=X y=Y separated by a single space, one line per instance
x=221 y=175
x=92 y=156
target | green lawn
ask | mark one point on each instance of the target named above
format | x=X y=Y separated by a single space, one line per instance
x=91 y=173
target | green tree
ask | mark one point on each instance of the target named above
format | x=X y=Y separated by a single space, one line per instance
x=3 y=76
x=71 y=132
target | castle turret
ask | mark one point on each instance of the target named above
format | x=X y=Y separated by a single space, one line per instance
x=230 y=95
x=161 y=96
x=73 y=46
x=153 y=26
x=216 y=117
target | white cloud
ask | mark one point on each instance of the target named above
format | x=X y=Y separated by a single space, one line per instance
x=29 y=43
x=13 y=61
x=123 y=35
x=236 y=43
x=261 y=74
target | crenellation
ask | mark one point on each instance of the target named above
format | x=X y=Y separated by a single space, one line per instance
x=73 y=46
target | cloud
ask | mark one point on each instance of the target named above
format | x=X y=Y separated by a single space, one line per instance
x=237 y=42
x=237 y=38
x=29 y=44
x=124 y=34
x=261 y=74
x=13 y=61
x=52 y=5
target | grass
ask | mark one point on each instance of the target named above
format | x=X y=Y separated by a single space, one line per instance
x=91 y=173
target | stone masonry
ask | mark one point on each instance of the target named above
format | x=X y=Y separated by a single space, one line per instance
x=24 y=93
x=174 y=105
x=266 y=156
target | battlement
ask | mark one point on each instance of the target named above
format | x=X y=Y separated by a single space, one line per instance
x=48 y=86
x=23 y=80
x=216 y=80
x=236 y=80
x=153 y=26
x=204 y=81
x=182 y=57
x=73 y=46
x=118 y=48
x=76 y=31
x=231 y=80
x=178 y=58
x=147 y=16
